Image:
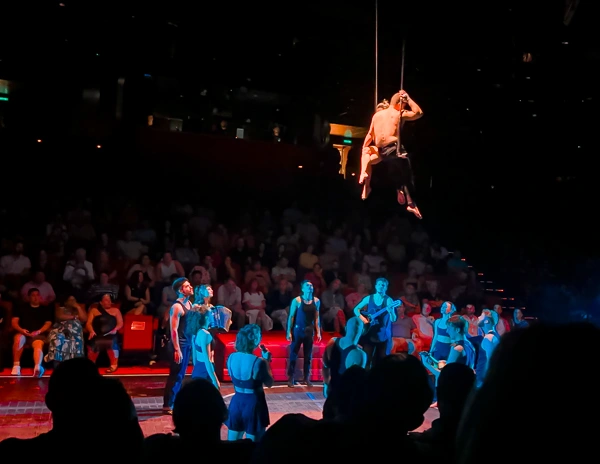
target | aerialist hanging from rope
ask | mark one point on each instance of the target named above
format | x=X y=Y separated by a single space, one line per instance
x=382 y=143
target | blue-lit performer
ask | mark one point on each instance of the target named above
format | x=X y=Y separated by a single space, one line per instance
x=462 y=350
x=202 y=350
x=303 y=324
x=248 y=411
x=490 y=341
x=380 y=312
x=180 y=345
x=441 y=343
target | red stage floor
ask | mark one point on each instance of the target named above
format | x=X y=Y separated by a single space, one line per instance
x=23 y=413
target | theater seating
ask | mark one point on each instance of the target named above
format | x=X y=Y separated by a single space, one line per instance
x=276 y=343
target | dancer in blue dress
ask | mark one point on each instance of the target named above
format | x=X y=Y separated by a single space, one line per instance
x=202 y=350
x=248 y=411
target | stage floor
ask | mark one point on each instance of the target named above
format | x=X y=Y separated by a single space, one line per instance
x=23 y=413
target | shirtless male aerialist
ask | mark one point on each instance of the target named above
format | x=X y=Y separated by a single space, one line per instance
x=381 y=142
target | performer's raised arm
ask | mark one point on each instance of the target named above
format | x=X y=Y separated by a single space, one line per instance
x=415 y=112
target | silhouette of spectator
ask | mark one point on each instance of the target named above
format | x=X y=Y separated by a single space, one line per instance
x=539 y=391
x=198 y=415
x=455 y=384
x=346 y=403
x=78 y=395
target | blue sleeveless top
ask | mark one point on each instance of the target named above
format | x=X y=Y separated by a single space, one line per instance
x=200 y=371
x=383 y=330
x=305 y=315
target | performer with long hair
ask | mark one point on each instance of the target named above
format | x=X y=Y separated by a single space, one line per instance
x=198 y=325
x=219 y=316
x=303 y=323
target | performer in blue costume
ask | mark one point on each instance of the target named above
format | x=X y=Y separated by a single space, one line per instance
x=377 y=340
x=248 y=410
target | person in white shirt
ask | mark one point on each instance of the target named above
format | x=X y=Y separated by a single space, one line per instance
x=255 y=304
x=79 y=272
x=230 y=296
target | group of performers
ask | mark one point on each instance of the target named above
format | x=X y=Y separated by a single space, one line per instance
x=382 y=145
x=368 y=339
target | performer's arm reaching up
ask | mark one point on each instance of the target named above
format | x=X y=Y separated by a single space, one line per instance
x=415 y=111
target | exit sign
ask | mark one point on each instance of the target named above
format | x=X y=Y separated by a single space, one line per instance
x=348 y=141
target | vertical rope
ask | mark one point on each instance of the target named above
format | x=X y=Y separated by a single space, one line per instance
x=376 y=51
x=402 y=67
x=398 y=142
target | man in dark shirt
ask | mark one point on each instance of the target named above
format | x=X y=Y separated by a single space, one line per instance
x=31 y=323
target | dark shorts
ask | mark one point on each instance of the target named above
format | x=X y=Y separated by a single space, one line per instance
x=41 y=337
x=393 y=171
x=98 y=344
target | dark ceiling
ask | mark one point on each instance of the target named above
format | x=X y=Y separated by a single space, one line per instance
x=465 y=52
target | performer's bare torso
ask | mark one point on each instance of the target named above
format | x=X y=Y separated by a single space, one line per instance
x=385 y=127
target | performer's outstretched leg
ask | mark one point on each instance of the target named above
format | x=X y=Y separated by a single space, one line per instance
x=408 y=187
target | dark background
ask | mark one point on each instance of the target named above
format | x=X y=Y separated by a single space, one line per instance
x=495 y=180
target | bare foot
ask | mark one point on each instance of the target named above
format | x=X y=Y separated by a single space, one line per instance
x=401 y=197
x=413 y=209
x=363 y=177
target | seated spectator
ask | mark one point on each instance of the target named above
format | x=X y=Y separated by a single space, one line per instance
x=255 y=307
x=65 y=340
x=332 y=307
x=104 y=321
x=278 y=303
x=31 y=322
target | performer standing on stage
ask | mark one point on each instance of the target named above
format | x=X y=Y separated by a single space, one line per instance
x=441 y=343
x=341 y=354
x=381 y=144
x=490 y=341
x=179 y=345
x=377 y=341
x=248 y=410
x=198 y=323
x=303 y=323
x=219 y=316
